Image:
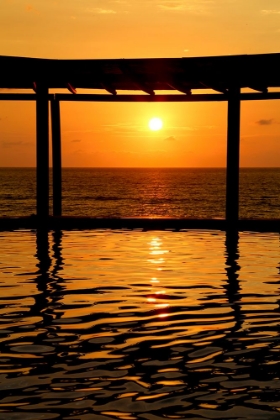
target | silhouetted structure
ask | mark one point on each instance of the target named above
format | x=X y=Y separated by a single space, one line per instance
x=226 y=75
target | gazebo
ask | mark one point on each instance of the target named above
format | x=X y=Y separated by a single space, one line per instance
x=216 y=78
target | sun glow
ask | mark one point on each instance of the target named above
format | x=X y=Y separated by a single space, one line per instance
x=155 y=124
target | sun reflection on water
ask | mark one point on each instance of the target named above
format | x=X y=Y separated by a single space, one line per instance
x=157 y=292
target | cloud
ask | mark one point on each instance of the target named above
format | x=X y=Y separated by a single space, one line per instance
x=124 y=127
x=80 y=131
x=104 y=11
x=31 y=9
x=110 y=7
x=9 y=144
x=271 y=12
x=265 y=122
x=183 y=128
x=173 y=6
x=79 y=152
x=197 y=6
x=170 y=138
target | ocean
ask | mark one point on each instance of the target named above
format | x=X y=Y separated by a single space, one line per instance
x=163 y=192
x=140 y=325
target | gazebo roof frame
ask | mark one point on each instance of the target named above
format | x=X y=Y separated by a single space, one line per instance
x=224 y=76
x=258 y=72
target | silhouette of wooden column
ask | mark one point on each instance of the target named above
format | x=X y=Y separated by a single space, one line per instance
x=56 y=157
x=42 y=150
x=233 y=145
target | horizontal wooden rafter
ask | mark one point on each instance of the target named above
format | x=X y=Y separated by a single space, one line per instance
x=150 y=75
x=87 y=97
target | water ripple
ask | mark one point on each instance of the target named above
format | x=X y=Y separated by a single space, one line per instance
x=126 y=325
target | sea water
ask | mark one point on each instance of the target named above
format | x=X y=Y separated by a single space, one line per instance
x=127 y=324
x=109 y=325
x=149 y=192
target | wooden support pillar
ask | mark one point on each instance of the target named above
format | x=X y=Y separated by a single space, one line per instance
x=233 y=146
x=56 y=157
x=42 y=151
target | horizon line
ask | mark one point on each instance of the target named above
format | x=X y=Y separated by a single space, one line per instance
x=143 y=167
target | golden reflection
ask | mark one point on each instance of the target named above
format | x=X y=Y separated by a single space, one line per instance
x=96 y=388
x=23 y=371
x=151 y=397
x=127 y=395
x=171 y=382
x=120 y=415
x=157 y=261
x=157 y=292
x=158 y=252
x=165 y=315
x=135 y=379
x=125 y=367
x=105 y=354
x=205 y=358
x=22 y=355
x=155 y=243
x=207 y=405
x=237 y=390
x=155 y=249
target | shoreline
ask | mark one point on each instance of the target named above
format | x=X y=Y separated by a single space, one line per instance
x=147 y=223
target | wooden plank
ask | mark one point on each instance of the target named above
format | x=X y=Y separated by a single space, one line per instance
x=42 y=151
x=233 y=145
x=95 y=97
x=56 y=158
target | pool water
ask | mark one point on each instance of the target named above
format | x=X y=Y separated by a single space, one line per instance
x=137 y=324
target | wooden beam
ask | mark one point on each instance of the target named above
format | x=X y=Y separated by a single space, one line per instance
x=42 y=151
x=233 y=145
x=194 y=97
x=170 y=97
x=137 y=79
x=215 y=97
x=56 y=158
x=109 y=88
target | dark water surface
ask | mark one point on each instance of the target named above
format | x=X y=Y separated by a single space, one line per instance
x=158 y=192
x=139 y=325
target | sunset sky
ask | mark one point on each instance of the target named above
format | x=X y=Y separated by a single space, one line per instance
x=102 y=134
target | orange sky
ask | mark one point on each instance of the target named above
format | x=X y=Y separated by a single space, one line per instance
x=96 y=134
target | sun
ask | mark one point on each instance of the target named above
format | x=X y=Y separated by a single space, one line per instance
x=155 y=124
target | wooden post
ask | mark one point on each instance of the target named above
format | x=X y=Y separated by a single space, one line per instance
x=42 y=151
x=233 y=145
x=56 y=157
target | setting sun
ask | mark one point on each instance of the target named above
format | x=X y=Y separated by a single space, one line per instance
x=155 y=124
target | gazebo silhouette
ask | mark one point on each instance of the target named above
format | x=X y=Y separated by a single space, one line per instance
x=226 y=76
